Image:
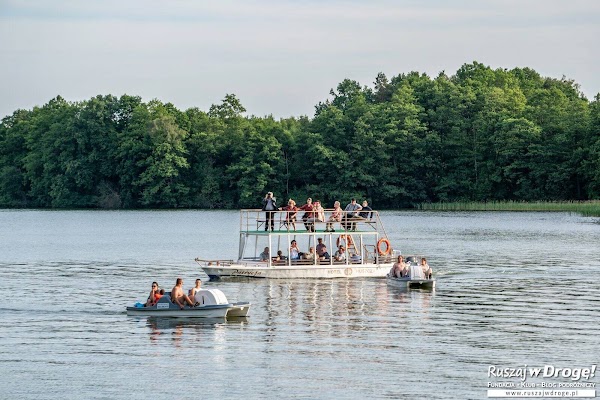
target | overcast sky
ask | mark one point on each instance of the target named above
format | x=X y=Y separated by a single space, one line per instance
x=278 y=57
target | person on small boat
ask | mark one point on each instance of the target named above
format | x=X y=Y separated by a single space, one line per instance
x=264 y=256
x=308 y=213
x=178 y=297
x=399 y=269
x=427 y=271
x=350 y=213
x=292 y=212
x=195 y=289
x=269 y=205
x=340 y=254
x=295 y=252
x=151 y=297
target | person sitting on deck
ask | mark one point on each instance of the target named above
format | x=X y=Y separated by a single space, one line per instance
x=308 y=213
x=311 y=254
x=336 y=216
x=180 y=298
x=426 y=268
x=340 y=254
x=292 y=212
x=295 y=252
x=399 y=269
x=351 y=214
x=152 y=296
x=366 y=211
x=280 y=256
x=318 y=215
x=264 y=256
x=320 y=247
x=324 y=255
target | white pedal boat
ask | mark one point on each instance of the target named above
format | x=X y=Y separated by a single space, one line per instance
x=213 y=304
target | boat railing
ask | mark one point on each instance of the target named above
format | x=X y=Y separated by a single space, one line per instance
x=256 y=221
x=213 y=262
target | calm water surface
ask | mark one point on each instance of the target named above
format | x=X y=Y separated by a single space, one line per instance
x=513 y=289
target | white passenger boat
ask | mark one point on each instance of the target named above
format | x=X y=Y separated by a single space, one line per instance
x=367 y=250
x=212 y=304
x=415 y=279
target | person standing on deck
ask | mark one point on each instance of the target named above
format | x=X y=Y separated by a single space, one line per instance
x=269 y=205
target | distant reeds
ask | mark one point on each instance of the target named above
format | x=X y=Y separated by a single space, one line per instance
x=588 y=208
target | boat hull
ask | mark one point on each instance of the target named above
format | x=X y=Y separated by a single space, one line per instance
x=291 y=272
x=212 y=311
x=239 y=310
x=409 y=283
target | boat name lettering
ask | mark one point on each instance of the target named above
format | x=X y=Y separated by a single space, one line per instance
x=364 y=270
x=334 y=271
x=162 y=305
x=246 y=273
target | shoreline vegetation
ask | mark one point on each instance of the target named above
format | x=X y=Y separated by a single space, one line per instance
x=482 y=134
x=589 y=208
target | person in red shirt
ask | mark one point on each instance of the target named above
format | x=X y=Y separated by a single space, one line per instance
x=292 y=211
x=308 y=214
x=158 y=295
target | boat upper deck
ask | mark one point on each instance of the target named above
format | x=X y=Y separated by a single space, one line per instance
x=256 y=222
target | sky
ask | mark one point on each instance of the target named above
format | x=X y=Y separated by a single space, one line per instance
x=282 y=57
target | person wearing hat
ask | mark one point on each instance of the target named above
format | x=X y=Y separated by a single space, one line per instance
x=269 y=205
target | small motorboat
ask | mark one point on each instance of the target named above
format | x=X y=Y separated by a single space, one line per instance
x=415 y=279
x=212 y=303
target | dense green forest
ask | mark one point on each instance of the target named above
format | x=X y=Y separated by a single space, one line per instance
x=479 y=135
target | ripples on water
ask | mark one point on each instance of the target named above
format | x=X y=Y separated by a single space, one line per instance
x=513 y=289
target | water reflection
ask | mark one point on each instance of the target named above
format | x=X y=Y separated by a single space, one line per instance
x=179 y=328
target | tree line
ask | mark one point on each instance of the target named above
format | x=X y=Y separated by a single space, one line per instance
x=481 y=134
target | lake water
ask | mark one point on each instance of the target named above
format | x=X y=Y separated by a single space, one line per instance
x=513 y=289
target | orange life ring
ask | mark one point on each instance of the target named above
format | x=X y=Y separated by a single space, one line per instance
x=388 y=247
x=347 y=240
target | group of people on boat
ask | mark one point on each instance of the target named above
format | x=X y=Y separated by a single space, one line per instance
x=314 y=212
x=177 y=294
x=401 y=270
x=319 y=252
